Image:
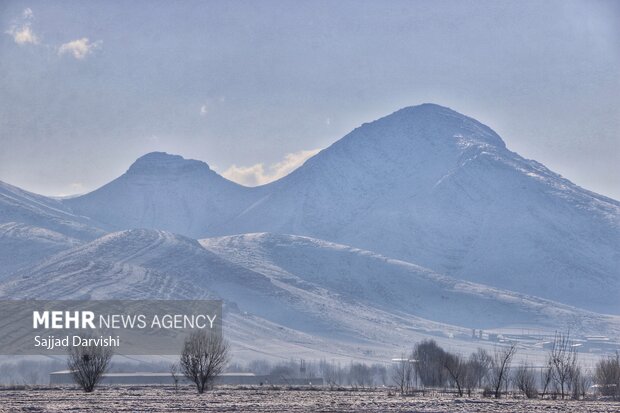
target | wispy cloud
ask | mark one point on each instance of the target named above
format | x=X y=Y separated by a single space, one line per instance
x=258 y=174
x=21 y=31
x=23 y=35
x=79 y=48
x=27 y=13
x=203 y=110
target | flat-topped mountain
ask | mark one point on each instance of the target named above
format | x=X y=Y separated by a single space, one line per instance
x=168 y=192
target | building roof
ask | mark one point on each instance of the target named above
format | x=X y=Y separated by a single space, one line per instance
x=150 y=374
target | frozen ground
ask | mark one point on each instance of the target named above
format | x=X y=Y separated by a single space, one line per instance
x=162 y=399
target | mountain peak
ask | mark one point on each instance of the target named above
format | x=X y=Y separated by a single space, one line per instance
x=428 y=107
x=434 y=121
x=158 y=162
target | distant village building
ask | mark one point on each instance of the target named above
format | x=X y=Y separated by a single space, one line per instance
x=64 y=378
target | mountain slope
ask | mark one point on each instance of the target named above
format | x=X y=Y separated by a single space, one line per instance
x=396 y=287
x=262 y=317
x=17 y=205
x=286 y=295
x=23 y=245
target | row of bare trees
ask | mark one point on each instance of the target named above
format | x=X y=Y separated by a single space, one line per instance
x=334 y=374
x=561 y=376
x=203 y=358
x=435 y=367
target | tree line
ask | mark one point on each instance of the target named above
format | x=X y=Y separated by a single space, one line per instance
x=561 y=376
x=204 y=357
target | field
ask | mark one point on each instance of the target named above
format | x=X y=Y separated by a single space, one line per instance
x=165 y=399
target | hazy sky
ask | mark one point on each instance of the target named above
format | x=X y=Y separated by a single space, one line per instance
x=253 y=88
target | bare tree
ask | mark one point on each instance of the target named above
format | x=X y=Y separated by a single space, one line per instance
x=285 y=371
x=563 y=362
x=607 y=376
x=581 y=381
x=479 y=365
x=457 y=370
x=402 y=373
x=545 y=379
x=525 y=380
x=88 y=363
x=379 y=374
x=174 y=373
x=430 y=367
x=361 y=375
x=471 y=380
x=500 y=368
x=332 y=373
x=204 y=357
x=259 y=366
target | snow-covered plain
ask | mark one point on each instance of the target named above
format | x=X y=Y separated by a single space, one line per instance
x=162 y=399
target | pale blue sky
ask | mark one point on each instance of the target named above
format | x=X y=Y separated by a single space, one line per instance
x=245 y=82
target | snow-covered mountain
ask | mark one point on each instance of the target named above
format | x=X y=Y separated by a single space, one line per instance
x=167 y=192
x=397 y=287
x=19 y=206
x=288 y=292
x=424 y=184
x=33 y=227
